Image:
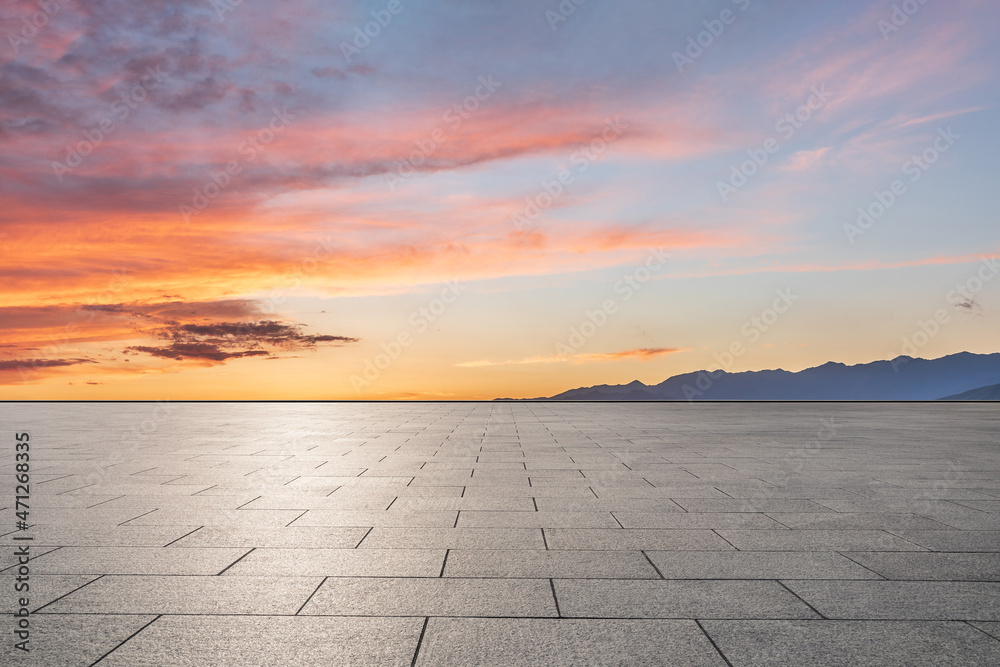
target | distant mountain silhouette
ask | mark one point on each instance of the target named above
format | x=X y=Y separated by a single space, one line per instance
x=990 y=393
x=901 y=379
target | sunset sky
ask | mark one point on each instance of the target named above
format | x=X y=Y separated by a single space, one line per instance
x=214 y=199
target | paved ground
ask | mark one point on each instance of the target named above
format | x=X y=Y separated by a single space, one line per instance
x=506 y=534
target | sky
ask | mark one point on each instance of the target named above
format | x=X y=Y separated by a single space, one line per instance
x=435 y=199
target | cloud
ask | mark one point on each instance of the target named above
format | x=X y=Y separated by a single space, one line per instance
x=204 y=351
x=171 y=331
x=222 y=341
x=31 y=364
x=641 y=354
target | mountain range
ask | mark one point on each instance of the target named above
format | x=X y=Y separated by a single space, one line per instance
x=962 y=376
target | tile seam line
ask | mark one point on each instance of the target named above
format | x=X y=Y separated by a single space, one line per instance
x=181 y=538
x=156 y=618
x=976 y=627
x=420 y=641
x=51 y=602
x=226 y=569
x=801 y=599
x=315 y=590
x=712 y=642
x=878 y=574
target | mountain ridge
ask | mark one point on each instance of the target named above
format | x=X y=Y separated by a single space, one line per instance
x=901 y=378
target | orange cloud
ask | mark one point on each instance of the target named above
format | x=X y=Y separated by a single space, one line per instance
x=156 y=336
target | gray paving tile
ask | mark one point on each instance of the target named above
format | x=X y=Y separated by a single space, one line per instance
x=618 y=539
x=11 y=557
x=291 y=537
x=954 y=540
x=992 y=506
x=42 y=589
x=672 y=492
x=816 y=540
x=210 y=517
x=385 y=518
x=71 y=641
x=376 y=501
x=474 y=504
x=189 y=595
x=453 y=538
x=851 y=643
x=224 y=641
x=457 y=642
x=750 y=505
x=145 y=485
x=992 y=629
x=756 y=565
x=677 y=599
x=857 y=521
x=535 y=564
x=704 y=520
x=432 y=597
x=932 y=566
x=136 y=560
x=116 y=536
x=506 y=491
x=341 y=562
x=200 y=502
x=77 y=502
x=594 y=504
x=99 y=517
x=422 y=492
x=975 y=521
x=902 y=600
x=536 y=520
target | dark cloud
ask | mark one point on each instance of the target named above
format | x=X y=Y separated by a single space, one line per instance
x=271 y=332
x=106 y=308
x=205 y=351
x=28 y=364
x=159 y=313
x=221 y=341
x=209 y=331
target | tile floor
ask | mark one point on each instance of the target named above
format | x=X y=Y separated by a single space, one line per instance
x=506 y=534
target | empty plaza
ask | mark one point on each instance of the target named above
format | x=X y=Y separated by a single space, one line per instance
x=504 y=533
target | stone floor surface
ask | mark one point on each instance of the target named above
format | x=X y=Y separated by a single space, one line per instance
x=505 y=534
